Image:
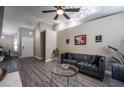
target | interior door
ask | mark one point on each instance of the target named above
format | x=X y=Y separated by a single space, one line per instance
x=27 y=47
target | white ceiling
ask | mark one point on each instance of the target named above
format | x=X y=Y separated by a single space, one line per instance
x=29 y=16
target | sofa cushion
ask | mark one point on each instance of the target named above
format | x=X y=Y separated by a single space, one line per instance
x=80 y=64
x=66 y=55
x=96 y=61
x=69 y=61
x=91 y=59
x=70 y=56
x=81 y=57
x=115 y=83
x=78 y=57
x=91 y=67
x=85 y=58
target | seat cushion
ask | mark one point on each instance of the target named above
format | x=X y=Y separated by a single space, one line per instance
x=69 y=61
x=115 y=83
x=92 y=67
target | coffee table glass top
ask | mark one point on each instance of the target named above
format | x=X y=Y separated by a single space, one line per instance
x=66 y=72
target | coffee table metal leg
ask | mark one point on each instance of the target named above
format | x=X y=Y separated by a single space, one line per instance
x=67 y=81
x=76 y=77
x=76 y=80
x=51 y=79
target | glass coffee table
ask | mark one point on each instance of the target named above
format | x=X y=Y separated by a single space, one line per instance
x=66 y=71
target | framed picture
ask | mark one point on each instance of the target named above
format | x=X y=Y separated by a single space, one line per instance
x=67 y=41
x=99 y=38
x=80 y=40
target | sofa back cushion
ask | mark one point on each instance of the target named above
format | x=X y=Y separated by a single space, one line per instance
x=66 y=55
x=80 y=57
x=70 y=56
x=91 y=59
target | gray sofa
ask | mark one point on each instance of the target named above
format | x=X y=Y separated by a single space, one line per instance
x=93 y=65
x=117 y=76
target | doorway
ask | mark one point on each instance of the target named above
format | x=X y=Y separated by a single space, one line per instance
x=27 y=46
x=42 y=42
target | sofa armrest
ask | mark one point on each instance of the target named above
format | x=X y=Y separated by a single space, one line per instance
x=63 y=56
x=101 y=66
x=118 y=72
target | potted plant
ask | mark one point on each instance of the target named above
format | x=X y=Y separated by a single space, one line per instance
x=56 y=54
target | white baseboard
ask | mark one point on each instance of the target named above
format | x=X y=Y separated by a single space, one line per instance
x=38 y=57
x=48 y=60
x=20 y=57
x=24 y=57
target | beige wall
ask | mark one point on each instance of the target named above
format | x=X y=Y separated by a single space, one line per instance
x=50 y=39
x=7 y=42
x=37 y=48
x=111 y=28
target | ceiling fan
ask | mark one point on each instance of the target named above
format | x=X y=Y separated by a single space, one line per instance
x=61 y=11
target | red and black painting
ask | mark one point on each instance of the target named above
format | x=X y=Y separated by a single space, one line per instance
x=80 y=40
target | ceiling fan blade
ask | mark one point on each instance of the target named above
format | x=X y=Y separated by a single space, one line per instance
x=72 y=10
x=47 y=11
x=59 y=7
x=56 y=7
x=66 y=16
x=55 y=18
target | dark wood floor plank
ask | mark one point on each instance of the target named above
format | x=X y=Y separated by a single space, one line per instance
x=37 y=73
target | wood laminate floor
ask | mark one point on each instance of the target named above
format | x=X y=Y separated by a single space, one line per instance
x=37 y=73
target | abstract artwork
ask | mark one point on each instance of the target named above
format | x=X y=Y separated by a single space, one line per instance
x=80 y=40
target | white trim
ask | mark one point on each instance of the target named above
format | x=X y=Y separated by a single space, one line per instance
x=24 y=57
x=48 y=60
x=20 y=57
x=38 y=57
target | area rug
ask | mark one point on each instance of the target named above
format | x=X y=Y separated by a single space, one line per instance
x=11 y=80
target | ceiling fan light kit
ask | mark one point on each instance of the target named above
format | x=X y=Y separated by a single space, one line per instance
x=60 y=12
